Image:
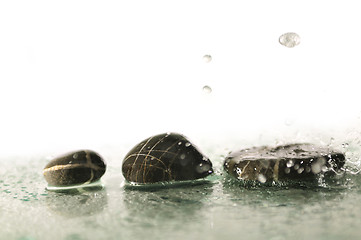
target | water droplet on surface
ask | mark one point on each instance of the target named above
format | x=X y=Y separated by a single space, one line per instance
x=287 y=170
x=300 y=170
x=183 y=156
x=290 y=39
x=180 y=143
x=344 y=145
x=296 y=167
x=187 y=144
x=207 y=58
x=75 y=156
x=316 y=167
x=207 y=89
x=324 y=169
x=262 y=178
x=289 y=163
x=201 y=168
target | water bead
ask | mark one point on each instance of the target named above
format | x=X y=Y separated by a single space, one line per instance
x=75 y=168
x=262 y=178
x=161 y=158
x=284 y=162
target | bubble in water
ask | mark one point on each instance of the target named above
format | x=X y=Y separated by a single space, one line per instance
x=290 y=39
x=207 y=89
x=262 y=178
x=207 y=58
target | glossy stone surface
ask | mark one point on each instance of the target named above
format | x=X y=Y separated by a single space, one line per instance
x=80 y=167
x=286 y=162
x=165 y=157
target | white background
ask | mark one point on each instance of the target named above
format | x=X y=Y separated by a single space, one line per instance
x=87 y=73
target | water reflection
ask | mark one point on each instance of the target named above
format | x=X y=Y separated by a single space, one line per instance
x=78 y=202
x=159 y=205
x=284 y=194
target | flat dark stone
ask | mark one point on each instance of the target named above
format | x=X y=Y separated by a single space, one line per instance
x=163 y=158
x=287 y=162
x=75 y=168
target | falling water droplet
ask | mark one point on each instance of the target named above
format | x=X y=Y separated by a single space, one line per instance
x=207 y=89
x=207 y=58
x=290 y=39
x=289 y=121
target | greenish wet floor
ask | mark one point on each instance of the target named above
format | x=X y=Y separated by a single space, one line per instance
x=218 y=209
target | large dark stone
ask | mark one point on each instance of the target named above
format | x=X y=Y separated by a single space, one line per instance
x=74 y=168
x=165 y=157
x=286 y=162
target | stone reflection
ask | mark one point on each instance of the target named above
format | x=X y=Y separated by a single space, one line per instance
x=297 y=194
x=159 y=204
x=78 y=202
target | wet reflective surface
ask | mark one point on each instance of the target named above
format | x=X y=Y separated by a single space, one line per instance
x=221 y=207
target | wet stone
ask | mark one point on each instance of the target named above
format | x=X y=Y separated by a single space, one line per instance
x=75 y=168
x=286 y=162
x=163 y=158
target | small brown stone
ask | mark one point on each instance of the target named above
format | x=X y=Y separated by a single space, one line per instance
x=74 y=168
